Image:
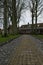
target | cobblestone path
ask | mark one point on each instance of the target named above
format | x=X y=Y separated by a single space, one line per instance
x=27 y=53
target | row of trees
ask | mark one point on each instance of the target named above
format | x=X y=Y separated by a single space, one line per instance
x=13 y=9
x=13 y=14
x=36 y=8
x=10 y=10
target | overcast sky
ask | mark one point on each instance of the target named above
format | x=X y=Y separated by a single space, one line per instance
x=26 y=17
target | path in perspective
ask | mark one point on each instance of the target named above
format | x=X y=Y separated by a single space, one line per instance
x=23 y=51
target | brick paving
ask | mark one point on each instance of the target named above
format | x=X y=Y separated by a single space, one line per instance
x=27 y=53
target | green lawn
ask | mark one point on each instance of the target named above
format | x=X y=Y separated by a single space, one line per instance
x=4 y=39
x=38 y=36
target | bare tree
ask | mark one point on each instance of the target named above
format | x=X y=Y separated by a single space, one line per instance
x=36 y=7
x=5 y=18
x=38 y=11
x=14 y=17
x=32 y=8
x=20 y=7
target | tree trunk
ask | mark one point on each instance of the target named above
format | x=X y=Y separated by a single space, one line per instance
x=32 y=22
x=36 y=19
x=5 y=18
x=14 y=17
x=36 y=23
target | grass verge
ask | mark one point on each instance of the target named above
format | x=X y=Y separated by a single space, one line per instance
x=4 y=40
x=38 y=36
